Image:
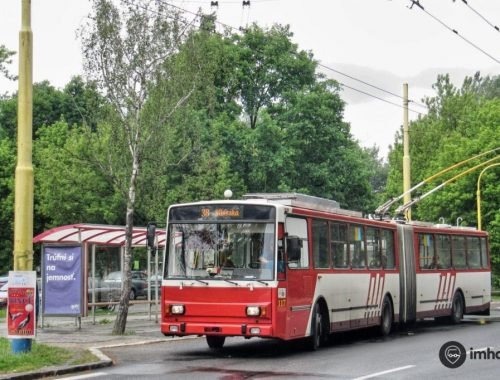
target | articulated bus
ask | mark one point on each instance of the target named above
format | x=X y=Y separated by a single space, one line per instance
x=292 y=266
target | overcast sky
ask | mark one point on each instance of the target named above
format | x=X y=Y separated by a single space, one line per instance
x=382 y=42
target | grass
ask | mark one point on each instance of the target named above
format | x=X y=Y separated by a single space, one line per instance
x=2 y=312
x=41 y=355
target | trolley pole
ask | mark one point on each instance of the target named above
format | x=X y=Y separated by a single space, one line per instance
x=23 y=209
x=406 y=151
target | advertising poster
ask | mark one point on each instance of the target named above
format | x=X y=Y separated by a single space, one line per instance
x=21 y=312
x=62 y=280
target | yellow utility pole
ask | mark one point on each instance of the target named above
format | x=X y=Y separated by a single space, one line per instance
x=478 y=193
x=23 y=207
x=406 y=151
x=23 y=212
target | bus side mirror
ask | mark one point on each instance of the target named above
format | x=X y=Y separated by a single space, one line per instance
x=294 y=248
x=151 y=235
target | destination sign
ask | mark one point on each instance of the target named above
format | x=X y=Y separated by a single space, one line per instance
x=211 y=212
x=221 y=212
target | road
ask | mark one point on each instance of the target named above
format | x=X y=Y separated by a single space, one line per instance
x=356 y=355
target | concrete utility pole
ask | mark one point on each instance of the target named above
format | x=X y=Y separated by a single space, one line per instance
x=23 y=209
x=406 y=151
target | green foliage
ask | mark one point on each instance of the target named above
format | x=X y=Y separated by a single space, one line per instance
x=269 y=66
x=70 y=187
x=461 y=123
x=5 y=59
x=79 y=103
x=58 y=184
x=8 y=160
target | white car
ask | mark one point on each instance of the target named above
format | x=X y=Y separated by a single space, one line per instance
x=3 y=295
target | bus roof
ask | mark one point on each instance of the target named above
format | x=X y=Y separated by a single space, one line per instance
x=304 y=201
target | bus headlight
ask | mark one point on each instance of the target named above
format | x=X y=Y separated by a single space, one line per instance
x=253 y=311
x=177 y=309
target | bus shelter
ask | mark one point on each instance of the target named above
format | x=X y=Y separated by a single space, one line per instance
x=76 y=260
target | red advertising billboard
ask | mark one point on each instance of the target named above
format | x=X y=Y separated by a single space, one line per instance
x=21 y=312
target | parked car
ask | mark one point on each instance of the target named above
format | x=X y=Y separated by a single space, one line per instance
x=139 y=283
x=3 y=295
x=103 y=292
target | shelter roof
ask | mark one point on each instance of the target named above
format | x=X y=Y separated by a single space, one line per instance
x=99 y=234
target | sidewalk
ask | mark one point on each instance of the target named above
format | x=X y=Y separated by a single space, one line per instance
x=64 y=332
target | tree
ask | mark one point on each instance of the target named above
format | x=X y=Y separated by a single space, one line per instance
x=123 y=50
x=269 y=65
x=5 y=59
x=8 y=160
x=84 y=194
x=79 y=103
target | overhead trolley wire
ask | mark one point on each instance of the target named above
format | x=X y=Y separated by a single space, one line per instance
x=370 y=85
x=480 y=15
x=417 y=3
x=377 y=97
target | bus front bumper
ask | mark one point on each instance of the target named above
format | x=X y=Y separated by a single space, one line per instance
x=224 y=329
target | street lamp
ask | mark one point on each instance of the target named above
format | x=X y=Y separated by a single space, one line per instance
x=479 y=195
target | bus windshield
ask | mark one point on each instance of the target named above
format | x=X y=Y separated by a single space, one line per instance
x=226 y=251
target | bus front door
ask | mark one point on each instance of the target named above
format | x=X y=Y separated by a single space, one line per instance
x=300 y=281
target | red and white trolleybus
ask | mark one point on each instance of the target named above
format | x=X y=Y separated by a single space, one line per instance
x=292 y=266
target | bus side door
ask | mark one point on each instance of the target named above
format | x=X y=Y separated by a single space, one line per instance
x=299 y=279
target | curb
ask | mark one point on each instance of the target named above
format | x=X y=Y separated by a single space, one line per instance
x=63 y=370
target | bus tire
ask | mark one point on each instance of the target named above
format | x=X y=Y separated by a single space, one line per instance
x=457 y=309
x=386 y=317
x=215 y=341
x=317 y=328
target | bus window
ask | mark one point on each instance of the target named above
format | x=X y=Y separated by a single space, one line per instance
x=357 y=248
x=297 y=227
x=373 y=248
x=426 y=251
x=484 y=254
x=387 y=248
x=320 y=244
x=338 y=233
x=458 y=250
x=474 y=252
x=443 y=252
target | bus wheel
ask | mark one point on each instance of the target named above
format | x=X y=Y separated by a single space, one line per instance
x=457 y=309
x=317 y=328
x=215 y=341
x=386 y=319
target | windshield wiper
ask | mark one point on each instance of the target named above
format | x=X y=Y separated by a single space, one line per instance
x=262 y=282
x=231 y=282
